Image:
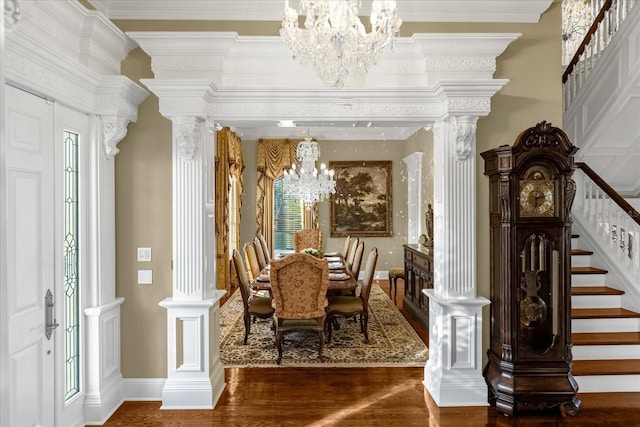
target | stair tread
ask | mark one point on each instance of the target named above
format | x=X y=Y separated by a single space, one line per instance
x=606 y=367
x=580 y=252
x=606 y=338
x=595 y=290
x=588 y=270
x=594 y=313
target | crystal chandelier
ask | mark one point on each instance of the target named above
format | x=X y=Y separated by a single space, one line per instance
x=577 y=17
x=334 y=41
x=303 y=180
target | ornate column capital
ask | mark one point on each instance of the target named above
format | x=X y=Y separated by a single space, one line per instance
x=187 y=134
x=463 y=136
x=12 y=13
x=117 y=104
x=114 y=129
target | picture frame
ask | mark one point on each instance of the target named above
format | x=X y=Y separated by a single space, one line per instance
x=362 y=205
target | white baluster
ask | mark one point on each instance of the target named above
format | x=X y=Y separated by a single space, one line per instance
x=626 y=241
x=635 y=248
x=590 y=210
x=615 y=229
x=606 y=225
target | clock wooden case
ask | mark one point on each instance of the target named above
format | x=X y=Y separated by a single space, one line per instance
x=531 y=191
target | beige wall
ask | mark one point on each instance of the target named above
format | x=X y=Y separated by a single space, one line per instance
x=143 y=171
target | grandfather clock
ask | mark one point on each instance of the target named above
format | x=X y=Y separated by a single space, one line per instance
x=531 y=194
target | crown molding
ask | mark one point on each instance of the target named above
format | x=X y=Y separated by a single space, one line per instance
x=516 y=11
x=251 y=83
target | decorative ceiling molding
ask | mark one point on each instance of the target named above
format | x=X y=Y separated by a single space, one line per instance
x=251 y=84
x=79 y=78
x=516 y=11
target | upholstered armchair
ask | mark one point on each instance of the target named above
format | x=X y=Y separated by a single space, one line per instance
x=299 y=285
x=349 y=306
x=253 y=307
x=307 y=238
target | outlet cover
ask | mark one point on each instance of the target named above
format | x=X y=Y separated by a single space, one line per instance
x=145 y=277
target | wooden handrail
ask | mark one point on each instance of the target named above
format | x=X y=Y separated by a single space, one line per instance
x=587 y=38
x=613 y=194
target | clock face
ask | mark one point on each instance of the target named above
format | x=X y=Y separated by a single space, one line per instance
x=536 y=198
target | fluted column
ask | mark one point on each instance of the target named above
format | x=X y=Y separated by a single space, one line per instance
x=453 y=374
x=195 y=377
x=414 y=193
x=117 y=106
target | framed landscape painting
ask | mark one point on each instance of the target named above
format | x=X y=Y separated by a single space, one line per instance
x=361 y=205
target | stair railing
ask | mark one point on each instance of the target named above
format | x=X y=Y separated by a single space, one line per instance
x=615 y=222
x=611 y=14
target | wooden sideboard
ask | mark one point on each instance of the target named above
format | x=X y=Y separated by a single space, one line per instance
x=418 y=274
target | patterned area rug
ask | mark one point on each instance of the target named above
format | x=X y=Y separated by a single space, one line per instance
x=392 y=341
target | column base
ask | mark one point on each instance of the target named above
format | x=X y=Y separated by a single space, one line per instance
x=195 y=377
x=104 y=386
x=193 y=394
x=453 y=373
x=454 y=390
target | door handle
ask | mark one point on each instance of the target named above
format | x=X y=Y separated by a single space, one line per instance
x=49 y=320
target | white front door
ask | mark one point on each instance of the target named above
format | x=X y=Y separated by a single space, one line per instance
x=30 y=266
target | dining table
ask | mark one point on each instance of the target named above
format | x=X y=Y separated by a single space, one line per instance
x=340 y=278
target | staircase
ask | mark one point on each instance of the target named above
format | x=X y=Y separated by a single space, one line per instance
x=606 y=337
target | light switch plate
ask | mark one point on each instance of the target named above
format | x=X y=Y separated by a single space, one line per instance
x=144 y=254
x=145 y=277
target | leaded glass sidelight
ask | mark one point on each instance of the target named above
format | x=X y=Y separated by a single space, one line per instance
x=71 y=283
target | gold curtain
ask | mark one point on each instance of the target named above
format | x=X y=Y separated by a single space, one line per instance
x=228 y=161
x=274 y=156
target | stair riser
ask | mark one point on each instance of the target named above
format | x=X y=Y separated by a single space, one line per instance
x=608 y=383
x=575 y=242
x=629 y=324
x=581 y=261
x=596 y=301
x=588 y=279
x=606 y=352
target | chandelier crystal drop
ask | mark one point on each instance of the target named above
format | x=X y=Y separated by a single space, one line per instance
x=303 y=180
x=334 y=40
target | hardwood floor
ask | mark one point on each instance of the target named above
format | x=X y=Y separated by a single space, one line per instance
x=359 y=397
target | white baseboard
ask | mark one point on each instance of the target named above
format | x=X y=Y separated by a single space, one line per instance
x=143 y=388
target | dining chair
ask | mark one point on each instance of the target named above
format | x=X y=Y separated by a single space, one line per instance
x=349 y=306
x=251 y=259
x=345 y=248
x=352 y=252
x=357 y=260
x=254 y=306
x=265 y=248
x=262 y=261
x=307 y=238
x=299 y=285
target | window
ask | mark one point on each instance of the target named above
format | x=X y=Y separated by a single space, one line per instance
x=287 y=218
x=71 y=282
x=234 y=213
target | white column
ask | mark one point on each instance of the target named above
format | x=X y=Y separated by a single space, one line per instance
x=195 y=375
x=6 y=23
x=453 y=373
x=117 y=105
x=414 y=195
